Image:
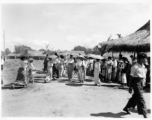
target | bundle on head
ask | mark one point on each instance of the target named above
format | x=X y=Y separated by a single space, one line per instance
x=30 y=59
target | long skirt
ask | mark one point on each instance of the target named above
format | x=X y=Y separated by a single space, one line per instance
x=81 y=73
x=124 y=79
x=50 y=72
x=45 y=66
x=109 y=73
x=30 y=76
x=96 y=77
x=114 y=73
x=70 y=70
x=61 y=70
x=21 y=75
x=55 y=71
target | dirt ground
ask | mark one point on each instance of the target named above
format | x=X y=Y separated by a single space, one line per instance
x=61 y=98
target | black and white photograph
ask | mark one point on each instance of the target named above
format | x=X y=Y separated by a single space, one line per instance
x=75 y=59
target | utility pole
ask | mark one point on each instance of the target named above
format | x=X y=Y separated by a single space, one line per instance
x=4 y=44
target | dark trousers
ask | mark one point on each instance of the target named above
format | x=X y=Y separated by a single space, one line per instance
x=137 y=97
x=45 y=67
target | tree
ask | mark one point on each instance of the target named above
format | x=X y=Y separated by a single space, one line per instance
x=96 y=50
x=7 y=51
x=21 y=49
x=43 y=50
x=82 y=48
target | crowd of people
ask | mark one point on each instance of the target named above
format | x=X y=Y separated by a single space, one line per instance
x=134 y=74
x=108 y=70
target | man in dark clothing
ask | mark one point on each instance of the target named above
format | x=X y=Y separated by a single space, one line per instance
x=45 y=63
x=137 y=76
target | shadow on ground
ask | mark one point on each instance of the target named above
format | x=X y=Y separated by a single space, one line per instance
x=109 y=115
x=74 y=85
x=110 y=86
x=63 y=80
x=39 y=76
x=40 y=72
x=135 y=111
x=88 y=80
x=39 y=80
x=88 y=84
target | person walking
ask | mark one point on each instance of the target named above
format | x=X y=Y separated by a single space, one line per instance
x=137 y=75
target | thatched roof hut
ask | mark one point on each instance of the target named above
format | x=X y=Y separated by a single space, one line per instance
x=138 y=41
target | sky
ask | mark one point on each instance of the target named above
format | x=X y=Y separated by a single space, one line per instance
x=66 y=25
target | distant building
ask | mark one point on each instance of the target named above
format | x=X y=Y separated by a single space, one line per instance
x=37 y=55
x=13 y=56
x=74 y=53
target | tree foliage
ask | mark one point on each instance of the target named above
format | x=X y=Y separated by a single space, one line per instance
x=21 y=49
x=95 y=50
x=7 y=51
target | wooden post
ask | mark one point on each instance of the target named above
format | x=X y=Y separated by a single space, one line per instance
x=4 y=44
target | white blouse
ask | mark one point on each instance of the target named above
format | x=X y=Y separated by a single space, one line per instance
x=138 y=70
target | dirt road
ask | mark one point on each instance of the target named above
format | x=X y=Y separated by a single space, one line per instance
x=61 y=98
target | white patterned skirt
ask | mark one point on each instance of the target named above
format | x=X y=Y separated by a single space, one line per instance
x=124 y=79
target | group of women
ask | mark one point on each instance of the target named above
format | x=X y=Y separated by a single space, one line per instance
x=25 y=70
x=103 y=70
x=60 y=66
x=114 y=70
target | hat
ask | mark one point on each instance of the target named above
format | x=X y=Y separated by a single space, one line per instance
x=31 y=59
x=80 y=56
x=142 y=55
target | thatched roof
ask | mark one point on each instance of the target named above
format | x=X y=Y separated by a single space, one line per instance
x=93 y=56
x=138 y=41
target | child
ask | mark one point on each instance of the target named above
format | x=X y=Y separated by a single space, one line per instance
x=30 y=68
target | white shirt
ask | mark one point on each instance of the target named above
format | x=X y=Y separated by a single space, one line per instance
x=50 y=63
x=115 y=63
x=138 y=70
x=2 y=62
x=70 y=61
x=97 y=66
x=31 y=66
x=81 y=62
